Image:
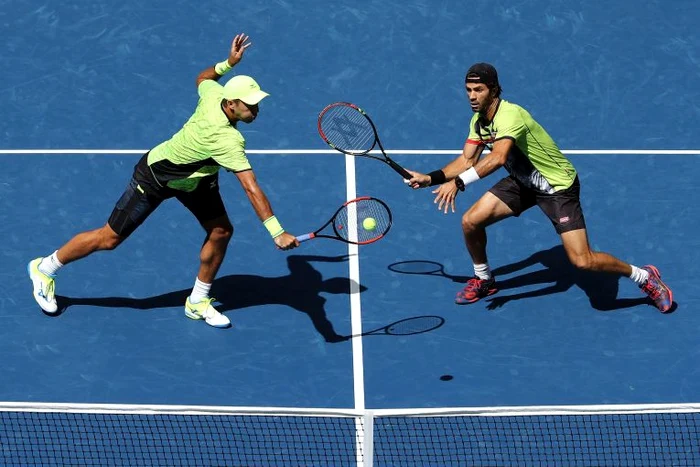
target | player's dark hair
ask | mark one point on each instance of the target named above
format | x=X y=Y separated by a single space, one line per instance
x=496 y=88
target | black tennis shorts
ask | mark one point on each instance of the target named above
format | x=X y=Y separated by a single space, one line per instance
x=563 y=208
x=144 y=194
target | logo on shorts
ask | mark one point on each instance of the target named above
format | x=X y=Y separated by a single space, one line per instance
x=563 y=220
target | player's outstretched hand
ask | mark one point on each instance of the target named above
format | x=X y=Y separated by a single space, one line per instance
x=238 y=46
x=445 y=196
x=286 y=241
x=418 y=180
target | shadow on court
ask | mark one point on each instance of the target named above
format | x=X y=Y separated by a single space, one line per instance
x=407 y=326
x=558 y=276
x=601 y=289
x=301 y=289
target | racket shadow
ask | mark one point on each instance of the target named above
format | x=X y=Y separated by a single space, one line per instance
x=301 y=290
x=406 y=327
x=425 y=268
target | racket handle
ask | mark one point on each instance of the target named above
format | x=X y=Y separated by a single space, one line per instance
x=305 y=237
x=399 y=169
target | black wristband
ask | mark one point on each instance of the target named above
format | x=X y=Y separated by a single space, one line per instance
x=460 y=183
x=437 y=177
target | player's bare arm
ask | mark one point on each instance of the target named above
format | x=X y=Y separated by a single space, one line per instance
x=446 y=193
x=261 y=206
x=474 y=169
x=238 y=47
x=496 y=159
x=470 y=155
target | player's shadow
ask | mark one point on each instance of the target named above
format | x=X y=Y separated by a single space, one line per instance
x=601 y=289
x=558 y=275
x=301 y=289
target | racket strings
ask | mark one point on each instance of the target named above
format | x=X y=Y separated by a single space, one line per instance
x=349 y=221
x=347 y=129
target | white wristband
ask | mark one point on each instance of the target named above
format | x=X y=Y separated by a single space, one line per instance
x=222 y=68
x=470 y=176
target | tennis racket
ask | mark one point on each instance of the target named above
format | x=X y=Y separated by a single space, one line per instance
x=347 y=128
x=347 y=226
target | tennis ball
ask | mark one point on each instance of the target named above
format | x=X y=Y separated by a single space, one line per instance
x=369 y=223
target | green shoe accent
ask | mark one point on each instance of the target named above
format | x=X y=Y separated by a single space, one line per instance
x=204 y=310
x=44 y=287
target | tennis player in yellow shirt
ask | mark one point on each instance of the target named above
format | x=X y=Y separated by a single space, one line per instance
x=185 y=167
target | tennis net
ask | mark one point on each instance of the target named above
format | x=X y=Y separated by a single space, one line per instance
x=135 y=435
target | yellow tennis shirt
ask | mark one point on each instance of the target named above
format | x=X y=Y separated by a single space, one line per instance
x=534 y=160
x=207 y=142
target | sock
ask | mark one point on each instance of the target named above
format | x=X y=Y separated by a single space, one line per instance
x=50 y=265
x=639 y=276
x=482 y=271
x=200 y=291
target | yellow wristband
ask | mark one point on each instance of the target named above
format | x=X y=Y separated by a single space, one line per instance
x=273 y=226
x=222 y=68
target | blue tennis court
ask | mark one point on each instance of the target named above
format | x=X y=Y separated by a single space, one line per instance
x=88 y=89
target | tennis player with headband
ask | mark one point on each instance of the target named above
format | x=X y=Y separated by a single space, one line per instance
x=539 y=174
x=185 y=167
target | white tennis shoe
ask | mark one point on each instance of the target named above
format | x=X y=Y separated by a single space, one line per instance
x=204 y=310
x=44 y=287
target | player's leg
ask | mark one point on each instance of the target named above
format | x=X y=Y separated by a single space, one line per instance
x=503 y=200
x=207 y=206
x=582 y=257
x=218 y=235
x=647 y=278
x=132 y=208
x=564 y=210
x=488 y=210
x=86 y=243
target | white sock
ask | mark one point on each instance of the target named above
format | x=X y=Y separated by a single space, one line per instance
x=50 y=264
x=200 y=291
x=482 y=271
x=639 y=276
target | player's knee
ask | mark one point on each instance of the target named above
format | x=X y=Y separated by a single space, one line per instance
x=582 y=261
x=109 y=239
x=468 y=223
x=221 y=234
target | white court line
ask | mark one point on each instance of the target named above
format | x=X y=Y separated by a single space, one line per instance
x=592 y=152
x=358 y=371
x=355 y=307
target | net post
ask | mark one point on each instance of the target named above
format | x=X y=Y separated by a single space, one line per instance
x=368 y=442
